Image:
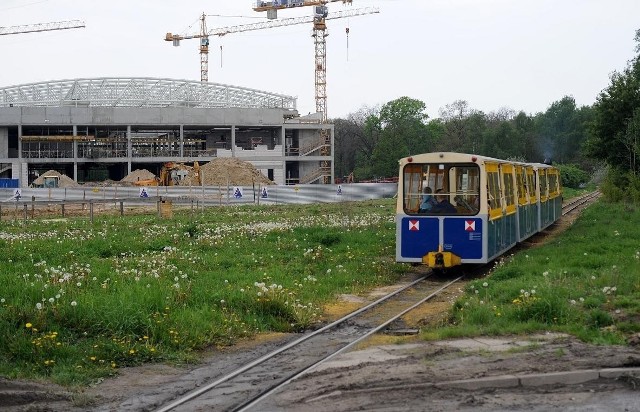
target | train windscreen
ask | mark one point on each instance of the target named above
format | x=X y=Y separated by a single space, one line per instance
x=441 y=188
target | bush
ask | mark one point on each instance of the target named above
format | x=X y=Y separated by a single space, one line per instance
x=572 y=176
x=621 y=186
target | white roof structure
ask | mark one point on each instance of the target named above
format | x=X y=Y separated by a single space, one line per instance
x=140 y=92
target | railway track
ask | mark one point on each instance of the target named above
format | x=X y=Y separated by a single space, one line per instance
x=247 y=386
x=579 y=202
x=244 y=388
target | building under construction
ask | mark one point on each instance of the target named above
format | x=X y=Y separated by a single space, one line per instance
x=103 y=128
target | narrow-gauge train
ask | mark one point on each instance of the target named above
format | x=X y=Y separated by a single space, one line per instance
x=456 y=208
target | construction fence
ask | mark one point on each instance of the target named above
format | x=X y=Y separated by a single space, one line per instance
x=25 y=202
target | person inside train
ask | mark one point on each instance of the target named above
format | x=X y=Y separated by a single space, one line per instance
x=428 y=201
x=443 y=205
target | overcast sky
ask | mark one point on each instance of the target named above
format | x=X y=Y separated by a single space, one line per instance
x=520 y=54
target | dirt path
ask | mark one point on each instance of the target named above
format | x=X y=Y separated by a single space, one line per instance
x=427 y=376
x=381 y=377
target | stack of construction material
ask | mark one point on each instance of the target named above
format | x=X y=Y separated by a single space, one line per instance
x=64 y=180
x=228 y=171
x=138 y=175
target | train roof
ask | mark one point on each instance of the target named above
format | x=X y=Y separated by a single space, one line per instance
x=455 y=157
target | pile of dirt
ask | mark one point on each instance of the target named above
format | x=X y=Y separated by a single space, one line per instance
x=64 y=180
x=138 y=174
x=228 y=171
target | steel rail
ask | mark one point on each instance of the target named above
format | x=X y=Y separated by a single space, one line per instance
x=196 y=393
x=575 y=203
x=264 y=395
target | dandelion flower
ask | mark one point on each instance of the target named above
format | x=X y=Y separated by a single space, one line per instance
x=28 y=325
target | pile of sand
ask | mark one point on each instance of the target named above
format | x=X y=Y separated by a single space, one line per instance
x=138 y=174
x=64 y=180
x=228 y=171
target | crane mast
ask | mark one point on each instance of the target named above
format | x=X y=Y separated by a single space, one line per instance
x=320 y=42
x=32 y=28
x=204 y=50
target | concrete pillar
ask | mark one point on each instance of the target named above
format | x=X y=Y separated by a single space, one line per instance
x=233 y=141
x=333 y=174
x=129 y=149
x=75 y=152
x=282 y=179
x=20 y=141
x=23 y=168
x=4 y=143
x=181 y=140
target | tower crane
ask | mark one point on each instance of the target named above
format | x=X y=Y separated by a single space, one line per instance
x=31 y=28
x=204 y=45
x=319 y=34
x=204 y=33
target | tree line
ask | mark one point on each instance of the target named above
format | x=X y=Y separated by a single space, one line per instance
x=581 y=140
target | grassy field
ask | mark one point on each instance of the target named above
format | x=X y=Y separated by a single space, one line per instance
x=585 y=282
x=80 y=300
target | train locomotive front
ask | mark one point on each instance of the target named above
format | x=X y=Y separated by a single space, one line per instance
x=456 y=208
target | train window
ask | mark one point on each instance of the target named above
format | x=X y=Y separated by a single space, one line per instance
x=467 y=189
x=508 y=188
x=554 y=189
x=493 y=187
x=531 y=184
x=455 y=189
x=521 y=181
x=412 y=181
x=543 y=184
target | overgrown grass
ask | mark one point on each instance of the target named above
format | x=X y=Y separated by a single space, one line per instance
x=585 y=282
x=80 y=300
x=569 y=193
